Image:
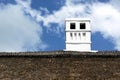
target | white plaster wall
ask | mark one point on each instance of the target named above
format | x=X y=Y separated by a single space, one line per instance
x=78 y=47
x=78 y=38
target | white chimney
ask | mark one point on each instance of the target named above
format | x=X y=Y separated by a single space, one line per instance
x=78 y=34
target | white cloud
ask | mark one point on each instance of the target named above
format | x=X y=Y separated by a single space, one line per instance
x=105 y=17
x=25 y=4
x=115 y=3
x=18 y=32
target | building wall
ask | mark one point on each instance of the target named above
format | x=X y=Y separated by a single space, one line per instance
x=60 y=66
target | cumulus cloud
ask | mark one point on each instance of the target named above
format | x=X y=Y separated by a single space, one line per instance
x=18 y=32
x=115 y=3
x=104 y=17
x=25 y=4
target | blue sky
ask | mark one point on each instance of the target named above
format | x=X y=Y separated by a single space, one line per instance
x=38 y=25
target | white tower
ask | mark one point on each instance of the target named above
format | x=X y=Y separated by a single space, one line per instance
x=78 y=34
